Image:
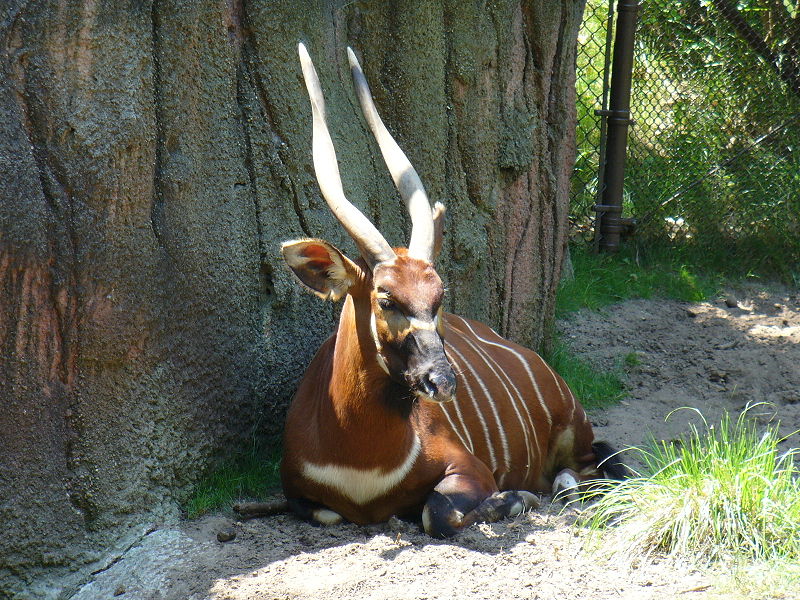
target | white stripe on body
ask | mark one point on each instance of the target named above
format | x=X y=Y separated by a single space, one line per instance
x=444 y=406
x=517 y=395
x=464 y=434
x=490 y=401
x=471 y=395
x=564 y=395
x=521 y=358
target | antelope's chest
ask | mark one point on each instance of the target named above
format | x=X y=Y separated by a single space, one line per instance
x=361 y=486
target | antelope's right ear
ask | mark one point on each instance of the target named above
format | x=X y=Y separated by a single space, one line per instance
x=321 y=267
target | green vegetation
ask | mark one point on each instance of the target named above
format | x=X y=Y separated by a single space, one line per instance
x=594 y=389
x=725 y=493
x=253 y=474
x=714 y=156
x=631 y=359
x=602 y=279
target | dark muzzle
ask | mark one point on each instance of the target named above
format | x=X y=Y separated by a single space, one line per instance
x=438 y=385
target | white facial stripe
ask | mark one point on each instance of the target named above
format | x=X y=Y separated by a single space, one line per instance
x=362 y=485
x=373 y=328
x=415 y=323
x=378 y=356
x=382 y=362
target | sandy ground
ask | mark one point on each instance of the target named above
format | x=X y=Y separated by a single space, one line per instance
x=712 y=356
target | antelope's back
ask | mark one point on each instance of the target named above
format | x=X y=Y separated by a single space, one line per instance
x=512 y=410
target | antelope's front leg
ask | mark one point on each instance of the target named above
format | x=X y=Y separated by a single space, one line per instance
x=459 y=501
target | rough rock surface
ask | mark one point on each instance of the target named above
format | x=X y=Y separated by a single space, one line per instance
x=154 y=154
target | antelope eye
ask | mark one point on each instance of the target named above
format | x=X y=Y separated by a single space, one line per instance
x=386 y=304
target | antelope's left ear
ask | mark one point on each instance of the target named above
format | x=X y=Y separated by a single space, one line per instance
x=321 y=267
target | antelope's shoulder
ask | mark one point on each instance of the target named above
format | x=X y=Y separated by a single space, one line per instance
x=462 y=328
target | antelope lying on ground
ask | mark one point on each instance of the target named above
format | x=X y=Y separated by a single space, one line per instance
x=372 y=431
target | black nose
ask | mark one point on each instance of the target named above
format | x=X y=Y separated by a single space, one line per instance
x=439 y=386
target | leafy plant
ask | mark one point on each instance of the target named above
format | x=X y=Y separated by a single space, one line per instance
x=714 y=155
x=602 y=279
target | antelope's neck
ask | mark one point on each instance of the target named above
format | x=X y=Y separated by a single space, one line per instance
x=364 y=398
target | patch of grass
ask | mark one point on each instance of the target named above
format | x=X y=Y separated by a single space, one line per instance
x=762 y=580
x=724 y=493
x=594 y=389
x=631 y=360
x=253 y=474
x=602 y=279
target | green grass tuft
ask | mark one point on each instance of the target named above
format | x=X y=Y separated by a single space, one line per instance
x=603 y=279
x=251 y=475
x=594 y=389
x=721 y=494
x=631 y=360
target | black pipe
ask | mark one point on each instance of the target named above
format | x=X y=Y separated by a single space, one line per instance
x=609 y=211
x=603 y=113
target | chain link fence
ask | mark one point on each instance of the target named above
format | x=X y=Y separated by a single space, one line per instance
x=714 y=153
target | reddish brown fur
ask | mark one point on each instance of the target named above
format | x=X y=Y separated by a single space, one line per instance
x=367 y=435
x=346 y=410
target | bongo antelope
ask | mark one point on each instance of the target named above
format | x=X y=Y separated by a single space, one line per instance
x=407 y=410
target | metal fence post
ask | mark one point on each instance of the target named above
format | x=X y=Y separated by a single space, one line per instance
x=608 y=224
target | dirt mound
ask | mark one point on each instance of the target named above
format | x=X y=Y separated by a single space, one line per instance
x=742 y=348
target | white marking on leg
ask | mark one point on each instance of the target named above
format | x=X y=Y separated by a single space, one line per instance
x=362 y=485
x=426 y=520
x=531 y=500
x=325 y=516
x=565 y=486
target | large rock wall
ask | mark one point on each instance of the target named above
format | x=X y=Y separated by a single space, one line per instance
x=154 y=154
